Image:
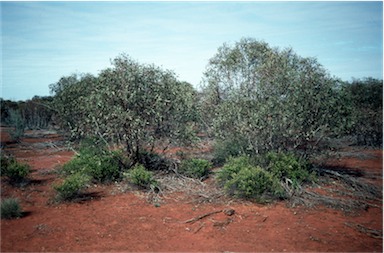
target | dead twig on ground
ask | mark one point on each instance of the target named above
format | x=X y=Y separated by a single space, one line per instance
x=375 y=233
x=228 y=212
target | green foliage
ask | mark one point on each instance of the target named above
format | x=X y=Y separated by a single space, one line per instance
x=141 y=177
x=132 y=104
x=268 y=98
x=232 y=167
x=223 y=149
x=195 y=168
x=287 y=165
x=10 y=208
x=364 y=101
x=15 y=171
x=72 y=186
x=244 y=180
x=97 y=162
x=262 y=177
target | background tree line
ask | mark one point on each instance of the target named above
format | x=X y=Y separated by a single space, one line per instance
x=254 y=99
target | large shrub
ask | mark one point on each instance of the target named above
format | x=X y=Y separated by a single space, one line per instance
x=268 y=99
x=364 y=100
x=133 y=104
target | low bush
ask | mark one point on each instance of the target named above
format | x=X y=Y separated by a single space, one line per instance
x=96 y=161
x=254 y=183
x=195 y=168
x=288 y=166
x=72 y=186
x=242 y=179
x=232 y=167
x=141 y=177
x=15 y=171
x=10 y=208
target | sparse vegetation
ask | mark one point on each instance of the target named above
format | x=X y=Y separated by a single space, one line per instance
x=10 y=208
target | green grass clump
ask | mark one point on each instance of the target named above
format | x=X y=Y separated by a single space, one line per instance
x=10 y=209
x=16 y=172
x=72 y=186
x=195 y=168
x=141 y=177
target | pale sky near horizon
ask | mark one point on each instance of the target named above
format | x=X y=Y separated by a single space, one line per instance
x=43 y=41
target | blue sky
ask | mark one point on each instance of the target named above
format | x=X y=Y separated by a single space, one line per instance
x=43 y=41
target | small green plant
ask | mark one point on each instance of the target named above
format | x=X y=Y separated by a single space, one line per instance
x=96 y=161
x=15 y=171
x=253 y=183
x=141 y=177
x=287 y=165
x=72 y=186
x=232 y=167
x=195 y=168
x=242 y=179
x=10 y=208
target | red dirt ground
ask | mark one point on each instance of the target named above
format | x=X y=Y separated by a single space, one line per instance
x=127 y=222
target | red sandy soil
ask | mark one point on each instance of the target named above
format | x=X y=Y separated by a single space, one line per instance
x=127 y=222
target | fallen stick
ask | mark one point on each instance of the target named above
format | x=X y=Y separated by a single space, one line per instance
x=378 y=234
x=201 y=216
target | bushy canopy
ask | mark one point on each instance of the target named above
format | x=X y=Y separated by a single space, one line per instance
x=267 y=98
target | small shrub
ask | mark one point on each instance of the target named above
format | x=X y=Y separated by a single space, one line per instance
x=102 y=166
x=195 y=168
x=72 y=186
x=232 y=167
x=10 y=208
x=287 y=165
x=15 y=171
x=141 y=177
x=253 y=183
x=242 y=179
